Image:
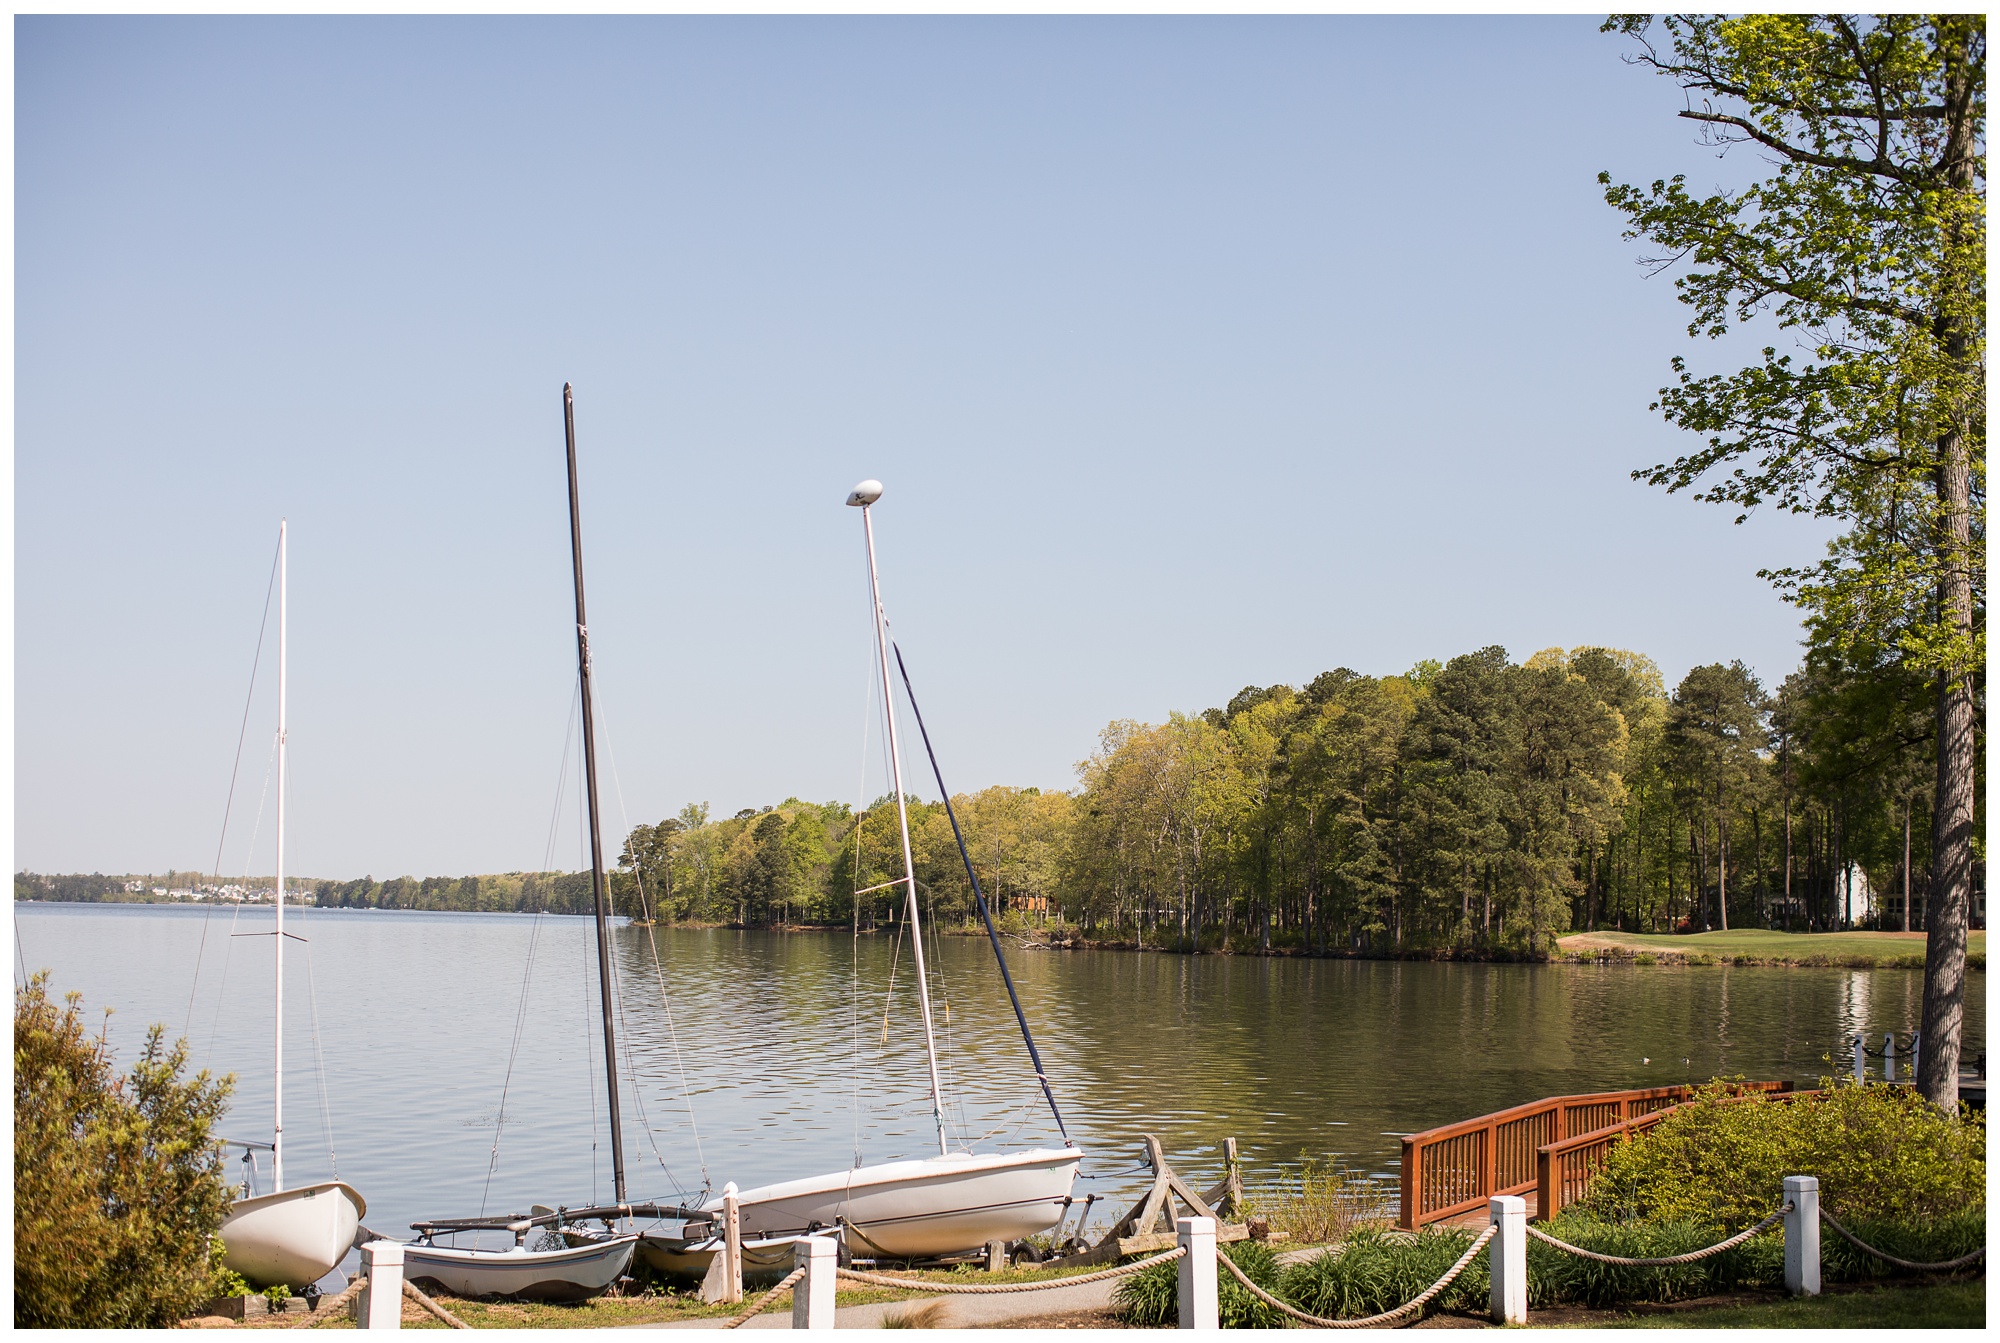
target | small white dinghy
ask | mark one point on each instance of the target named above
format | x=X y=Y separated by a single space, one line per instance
x=519 y=1274
x=915 y=1209
x=294 y=1236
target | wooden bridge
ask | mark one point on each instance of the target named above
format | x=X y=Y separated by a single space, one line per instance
x=1545 y=1151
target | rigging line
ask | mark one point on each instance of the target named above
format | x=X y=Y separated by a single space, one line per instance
x=583 y=962
x=979 y=898
x=242 y=732
x=513 y=1052
x=222 y=987
x=854 y=944
x=631 y=1069
x=895 y=952
x=319 y=1063
x=659 y=976
x=22 y=956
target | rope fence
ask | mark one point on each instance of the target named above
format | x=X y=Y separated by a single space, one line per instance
x=433 y=1307
x=1412 y=1306
x=741 y=1317
x=327 y=1309
x=1886 y=1257
x=1668 y=1261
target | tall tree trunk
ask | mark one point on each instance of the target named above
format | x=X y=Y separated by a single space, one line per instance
x=1952 y=819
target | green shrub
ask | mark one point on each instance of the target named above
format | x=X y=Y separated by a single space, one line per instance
x=1150 y=1298
x=1880 y=1152
x=118 y=1187
x=277 y=1294
x=1325 y=1204
x=1378 y=1270
x=1932 y=1241
x=1556 y=1277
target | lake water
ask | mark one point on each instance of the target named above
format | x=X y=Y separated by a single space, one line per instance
x=753 y=1057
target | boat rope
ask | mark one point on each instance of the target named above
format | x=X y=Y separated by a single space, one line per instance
x=534 y=944
x=659 y=978
x=1667 y=1261
x=1412 y=1306
x=741 y=1317
x=994 y=1289
x=319 y=1065
x=1863 y=1245
x=979 y=898
x=242 y=734
x=410 y=1290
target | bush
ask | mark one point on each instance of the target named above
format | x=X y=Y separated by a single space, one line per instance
x=1325 y=1205
x=1558 y=1277
x=118 y=1188
x=1880 y=1152
x=1150 y=1298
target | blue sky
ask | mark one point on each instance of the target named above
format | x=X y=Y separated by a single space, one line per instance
x=1193 y=353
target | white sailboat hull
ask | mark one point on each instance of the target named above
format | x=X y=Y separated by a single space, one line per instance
x=296 y=1236
x=915 y=1209
x=575 y=1274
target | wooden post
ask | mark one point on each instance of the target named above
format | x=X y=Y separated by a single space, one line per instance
x=1488 y=1156
x=382 y=1298
x=1199 y=1307
x=1413 y=1179
x=732 y=1246
x=1548 y=1185
x=1234 y=1177
x=996 y=1256
x=1508 y=1257
x=1802 y=1235
x=812 y=1297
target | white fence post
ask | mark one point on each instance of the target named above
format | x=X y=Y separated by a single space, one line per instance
x=1199 y=1309
x=1508 y=1258
x=1889 y=1057
x=1802 y=1235
x=382 y=1298
x=1860 y=1064
x=812 y=1296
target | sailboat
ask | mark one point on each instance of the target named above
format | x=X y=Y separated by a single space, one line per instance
x=930 y=1206
x=578 y=1272
x=292 y=1236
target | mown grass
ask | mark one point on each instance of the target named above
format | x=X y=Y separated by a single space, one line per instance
x=1764 y=946
x=1942 y=1305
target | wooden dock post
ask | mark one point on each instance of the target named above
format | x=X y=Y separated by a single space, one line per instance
x=812 y=1298
x=732 y=1246
x=382 y=1298
x=1199 y=1304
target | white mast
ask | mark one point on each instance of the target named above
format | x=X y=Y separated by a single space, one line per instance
x=866 y=493
x=278 y=1051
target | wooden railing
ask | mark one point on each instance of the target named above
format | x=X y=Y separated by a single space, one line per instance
x=1564 y=1168
x=1453 y=1170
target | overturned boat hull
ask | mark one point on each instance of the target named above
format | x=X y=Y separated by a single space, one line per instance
x=295 y=1236
x=575 y=1274
x=918 y=1209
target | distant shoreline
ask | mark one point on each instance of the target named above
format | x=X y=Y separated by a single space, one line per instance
x=1760 y=948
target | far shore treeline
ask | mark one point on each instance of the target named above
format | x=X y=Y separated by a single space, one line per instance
x=1476 y=806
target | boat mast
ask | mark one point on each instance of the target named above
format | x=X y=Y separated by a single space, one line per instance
x=865 y=494
x=278 y=1049
x=597 y=892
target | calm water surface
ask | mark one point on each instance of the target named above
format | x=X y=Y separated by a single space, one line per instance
x=754 y=1057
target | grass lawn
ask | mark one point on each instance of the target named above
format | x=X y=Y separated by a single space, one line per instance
x=1766 y=945
x=1942 y=1305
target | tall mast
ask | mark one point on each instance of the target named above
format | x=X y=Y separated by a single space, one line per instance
x=597 y=892
x=865 y=494
x=278 y=1049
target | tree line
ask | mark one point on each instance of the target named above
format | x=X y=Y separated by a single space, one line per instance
x=1475 y=805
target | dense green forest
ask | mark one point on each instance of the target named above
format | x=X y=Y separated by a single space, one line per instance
x=1474 y=806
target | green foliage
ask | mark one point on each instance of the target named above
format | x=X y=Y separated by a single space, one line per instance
x=1322 y=1204
x=1878 y=1151
x=118 y=1187
x=1377 y=1271
x=1150 y=1298
x=1556 y=1277
x=277 y=1294
x=1929 y=1240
